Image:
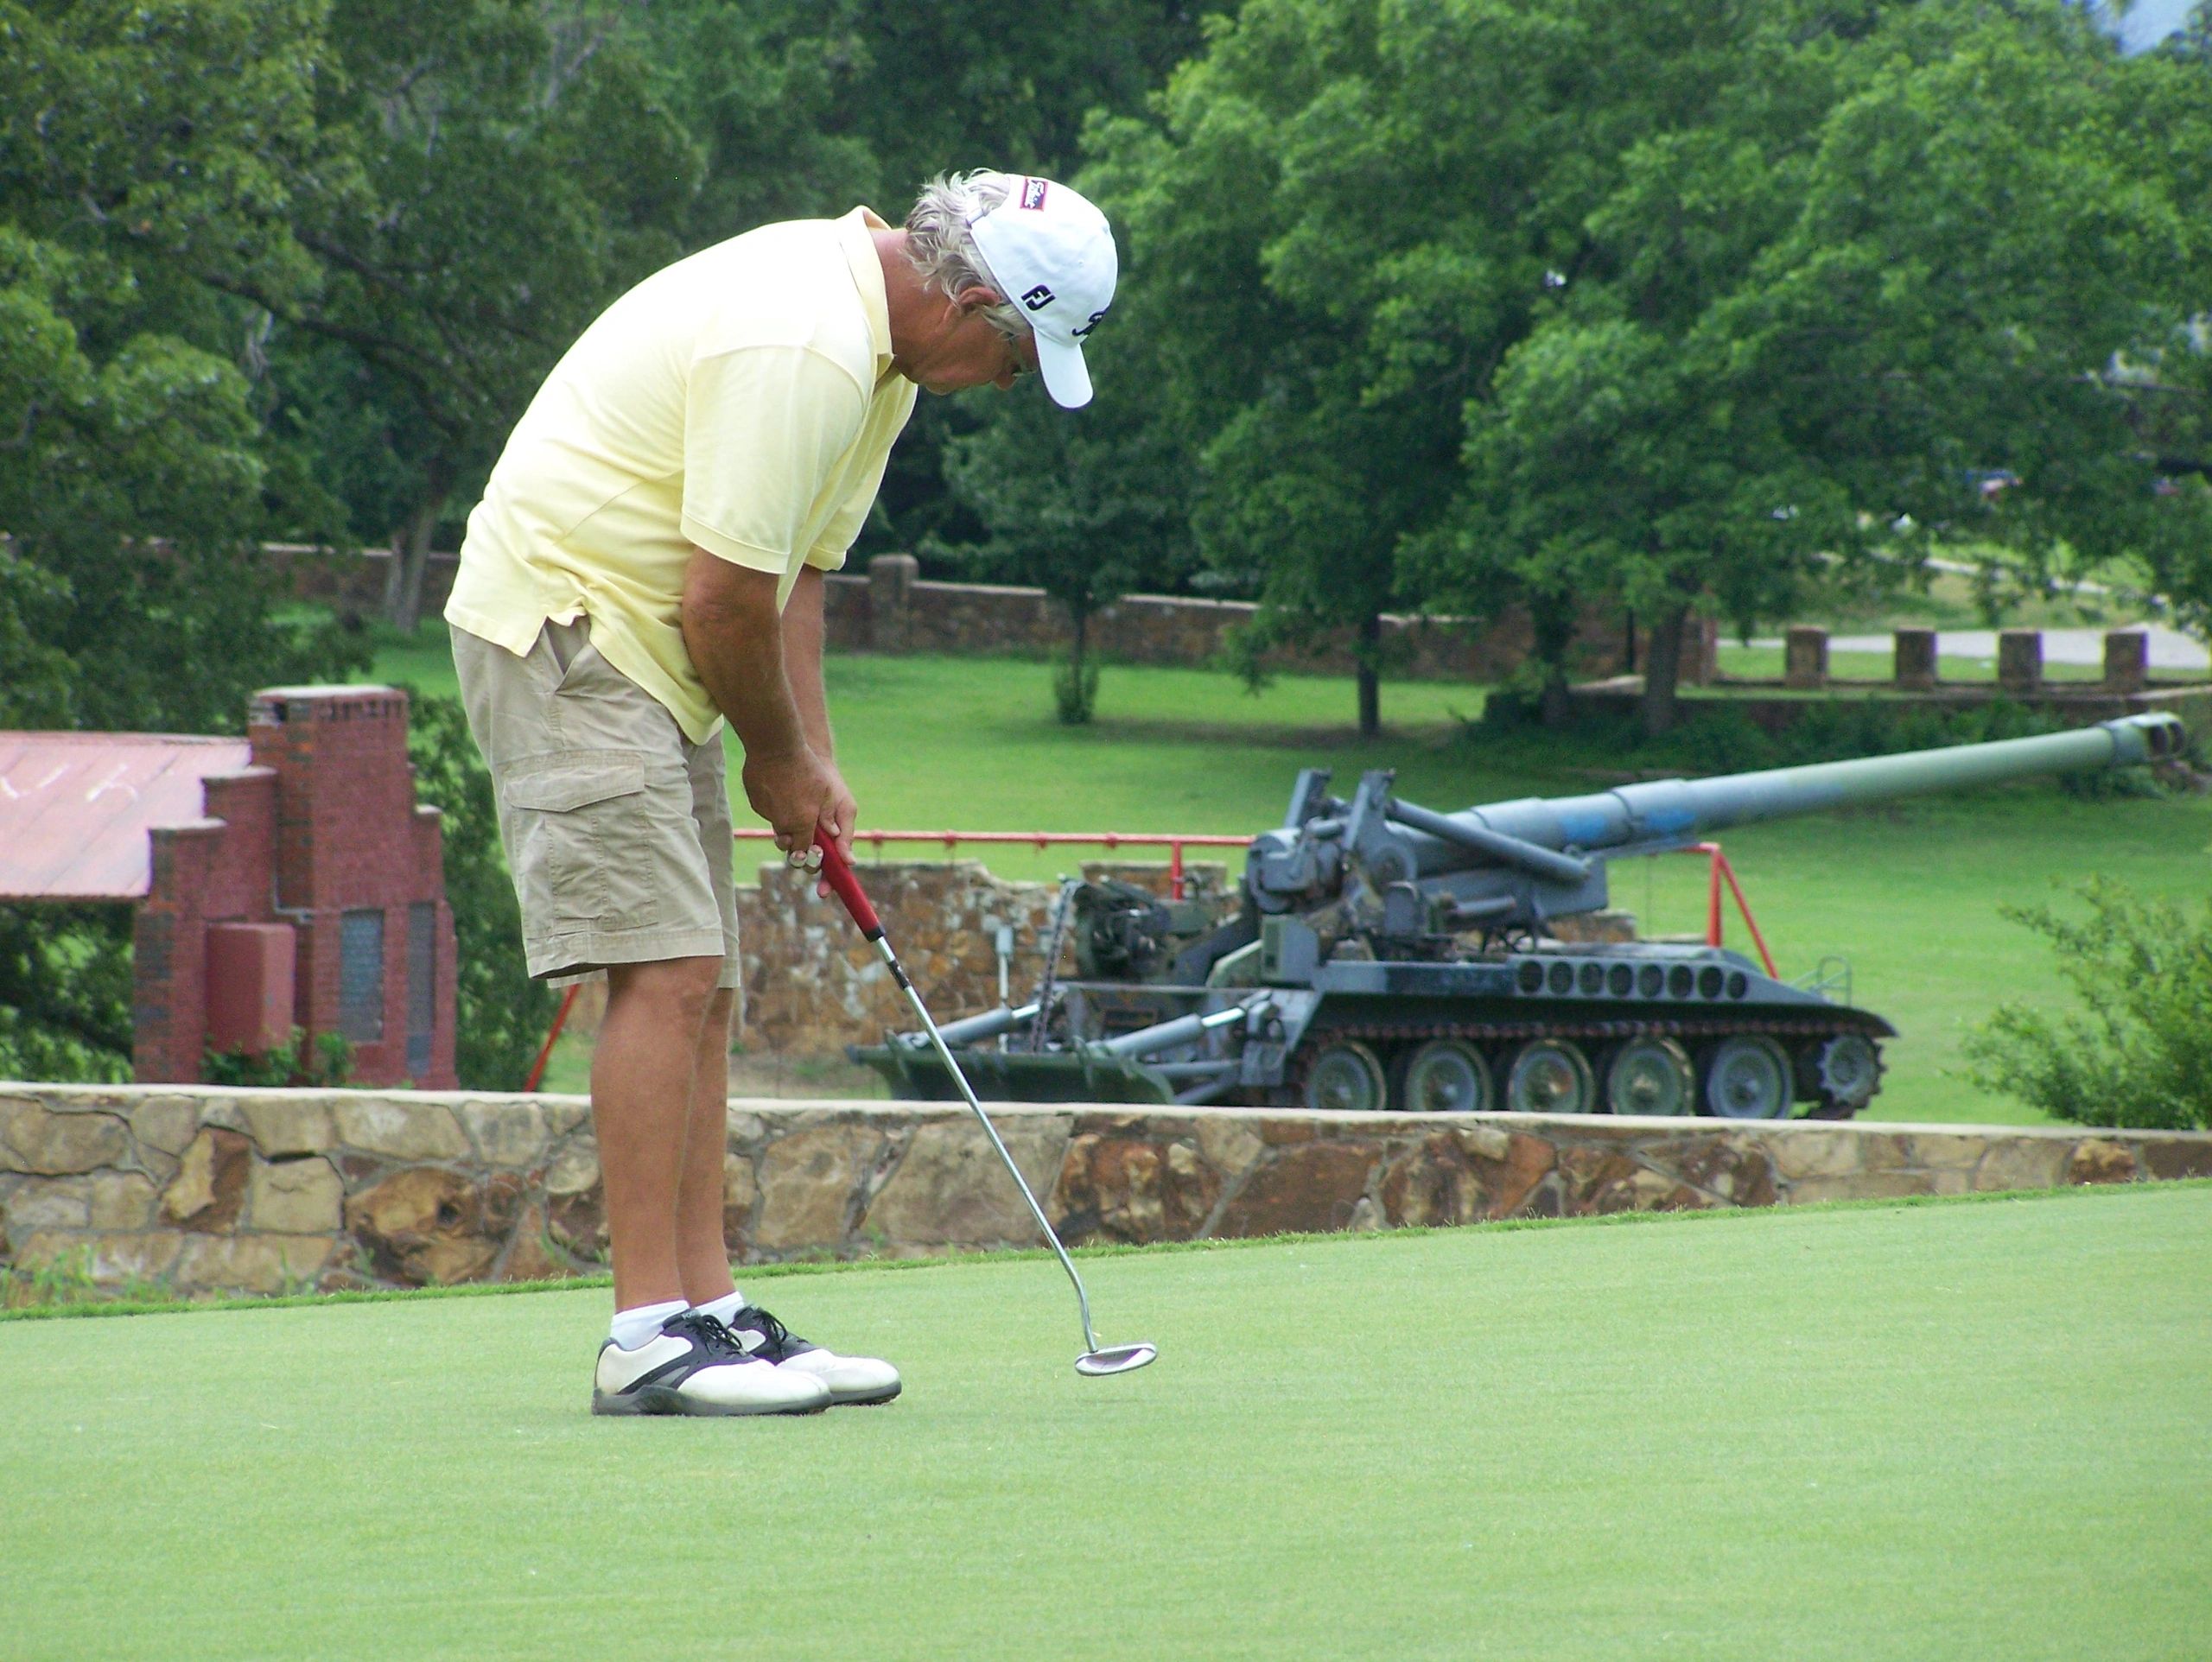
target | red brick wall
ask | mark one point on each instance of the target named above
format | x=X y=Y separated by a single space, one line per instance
x=352 y=839
x=214 y=869
x=324 y=823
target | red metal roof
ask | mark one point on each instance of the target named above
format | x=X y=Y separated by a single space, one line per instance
x=75 y=807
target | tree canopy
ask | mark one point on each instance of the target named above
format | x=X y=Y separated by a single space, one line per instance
x=1463 y=302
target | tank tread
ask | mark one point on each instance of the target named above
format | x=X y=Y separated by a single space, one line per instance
x=1822 y=1027
x=1842 y=1021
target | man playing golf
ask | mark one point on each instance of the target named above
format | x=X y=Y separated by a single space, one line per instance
x=647 y=563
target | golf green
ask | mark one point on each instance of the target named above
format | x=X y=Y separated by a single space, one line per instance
x=1942 y=1429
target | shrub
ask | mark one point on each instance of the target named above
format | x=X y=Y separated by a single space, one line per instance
x=2139 y=1051
x=327 y=1061
x=1715 y=736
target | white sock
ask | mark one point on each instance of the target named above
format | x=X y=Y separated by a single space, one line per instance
x=725 y=1309
x=639 y=1323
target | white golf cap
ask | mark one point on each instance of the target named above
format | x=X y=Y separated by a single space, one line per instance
x=1051 y=253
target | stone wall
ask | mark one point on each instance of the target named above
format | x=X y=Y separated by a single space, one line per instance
x=205 y=1190
x=889 y=608
x=812 y=986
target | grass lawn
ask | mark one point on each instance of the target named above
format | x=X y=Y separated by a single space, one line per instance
x=1955 y=1429
x=1908 y=894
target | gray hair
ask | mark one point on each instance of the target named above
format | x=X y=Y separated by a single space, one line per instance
x=944 y=249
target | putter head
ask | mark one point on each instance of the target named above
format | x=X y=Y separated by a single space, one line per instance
x=1115 y=1358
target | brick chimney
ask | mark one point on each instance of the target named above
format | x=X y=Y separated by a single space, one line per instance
x=360 y=873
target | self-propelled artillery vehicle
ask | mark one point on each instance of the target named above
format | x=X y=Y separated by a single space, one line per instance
x=1381 y=955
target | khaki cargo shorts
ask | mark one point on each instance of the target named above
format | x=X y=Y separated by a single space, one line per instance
x=617 y=827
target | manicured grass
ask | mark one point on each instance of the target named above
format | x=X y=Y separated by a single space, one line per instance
x=1909 y=893
x=1877 y=1432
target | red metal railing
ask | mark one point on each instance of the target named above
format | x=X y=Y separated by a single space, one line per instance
x=1175 y=843
x=1720 y=873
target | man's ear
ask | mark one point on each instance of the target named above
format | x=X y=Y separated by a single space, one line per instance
x=977 y=297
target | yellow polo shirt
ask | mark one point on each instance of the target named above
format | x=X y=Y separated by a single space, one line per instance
x=741 y=401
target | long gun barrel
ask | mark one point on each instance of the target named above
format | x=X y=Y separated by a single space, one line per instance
x=1665 y=811
x=1548 y=853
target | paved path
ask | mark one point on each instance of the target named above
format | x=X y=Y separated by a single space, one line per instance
x=2170 y=649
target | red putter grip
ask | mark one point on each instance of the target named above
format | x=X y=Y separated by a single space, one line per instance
x=838 y=873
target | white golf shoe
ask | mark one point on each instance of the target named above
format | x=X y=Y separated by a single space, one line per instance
x=857 y=1381
x=692 y=1366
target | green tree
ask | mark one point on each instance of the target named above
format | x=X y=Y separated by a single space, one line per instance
x=143 y=156
x=1349 y=212
x=1984 y=251
x=1671 y=306
x=509 y=169
x=1086 y=504
x=145 y=151
x=2166 y=376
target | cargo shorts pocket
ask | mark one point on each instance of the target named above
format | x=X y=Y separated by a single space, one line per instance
x=581 y=841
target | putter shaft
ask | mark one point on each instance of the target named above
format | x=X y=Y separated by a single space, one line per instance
x=898 y=975
x=837 y=872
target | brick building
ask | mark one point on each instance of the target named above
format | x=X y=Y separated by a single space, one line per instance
x=286 y=880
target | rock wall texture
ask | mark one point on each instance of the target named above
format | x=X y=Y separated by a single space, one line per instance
x=885 y=606
x=812 y=985
x=890 y=608
x=200 y=1190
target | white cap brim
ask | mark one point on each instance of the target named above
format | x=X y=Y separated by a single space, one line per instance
x=1065 y=374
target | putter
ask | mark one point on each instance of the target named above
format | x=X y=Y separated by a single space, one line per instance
x=1096 y=1360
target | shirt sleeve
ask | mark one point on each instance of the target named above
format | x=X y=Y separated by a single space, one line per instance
x=764 y=427
x=837 y=539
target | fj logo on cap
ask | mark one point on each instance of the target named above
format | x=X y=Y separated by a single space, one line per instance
x=1038 y=298
x=1032 y=192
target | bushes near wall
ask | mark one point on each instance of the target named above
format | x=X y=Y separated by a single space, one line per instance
x=2137 y=1048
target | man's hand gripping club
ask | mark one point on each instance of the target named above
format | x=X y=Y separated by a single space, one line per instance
x=805 y=800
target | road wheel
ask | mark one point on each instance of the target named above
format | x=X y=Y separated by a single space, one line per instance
x=1846 y=1071
x=1748 y=1078
x=1550 y=1077
x=1445 y=1076
x=1650 y=1075
x=1346 y=1078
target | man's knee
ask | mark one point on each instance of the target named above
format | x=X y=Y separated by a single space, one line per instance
x=679 y=989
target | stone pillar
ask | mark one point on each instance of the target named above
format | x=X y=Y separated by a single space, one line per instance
x=1916 y=659
x=2019 y=660
x=1805 y=657
x=891 y=579
x=2127 y=660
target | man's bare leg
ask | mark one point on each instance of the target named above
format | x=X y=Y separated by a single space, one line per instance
x=703 y=1258
x=642 y=1084
x=701 y=1255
